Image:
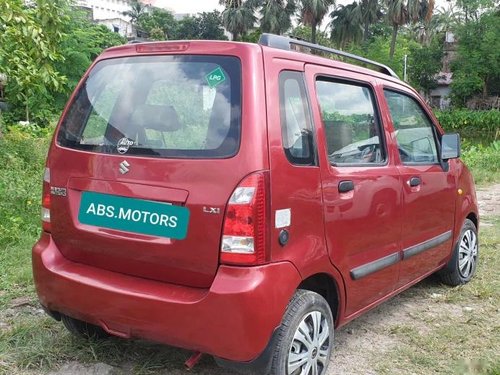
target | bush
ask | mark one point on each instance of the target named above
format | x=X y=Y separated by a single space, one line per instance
x=483 y=161
x=22 y=157
x=473 y=124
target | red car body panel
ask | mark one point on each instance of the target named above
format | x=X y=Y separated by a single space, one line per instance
x=242 y=302
x=176 y=291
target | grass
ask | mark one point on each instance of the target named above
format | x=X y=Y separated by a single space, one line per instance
x=449 y=330
x=461 y=326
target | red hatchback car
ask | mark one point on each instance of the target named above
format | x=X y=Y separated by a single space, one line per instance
x=244 y=200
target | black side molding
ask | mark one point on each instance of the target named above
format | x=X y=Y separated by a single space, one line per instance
x=368 y=268
x=426 y=245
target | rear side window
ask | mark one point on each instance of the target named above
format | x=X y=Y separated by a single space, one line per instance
x=414 y=131
x=352 y=128
x=161 y=106
x=296 y=125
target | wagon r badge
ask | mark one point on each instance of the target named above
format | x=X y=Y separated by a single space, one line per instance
x=123 y=145
x=124 y=167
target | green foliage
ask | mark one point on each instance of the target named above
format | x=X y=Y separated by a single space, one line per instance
x=22 y=157
x=45 y=59
x=82 y=43
x=159 y=24
x=29 y=41
x=378 y=50
x=207 y=25
x=477 y=124
x=478 y=60
x=423 y=65
x=276 y=15
x=238 y=17
x=483 y=160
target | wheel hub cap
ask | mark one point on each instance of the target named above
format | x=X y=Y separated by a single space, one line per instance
x=467 y=254
x=310 y=348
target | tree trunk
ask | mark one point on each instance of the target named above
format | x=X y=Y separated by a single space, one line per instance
x=393 y=40
x=365 y=31
x=313 y=32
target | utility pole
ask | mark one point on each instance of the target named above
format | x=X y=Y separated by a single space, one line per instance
x=404 y=74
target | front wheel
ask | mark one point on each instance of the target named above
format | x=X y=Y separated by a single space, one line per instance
x=462 y=265
x=305 y=337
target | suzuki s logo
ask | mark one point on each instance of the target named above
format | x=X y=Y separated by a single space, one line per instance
x=124 y=167
x=123 y=145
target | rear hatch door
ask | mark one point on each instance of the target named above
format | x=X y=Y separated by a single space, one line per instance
x=148 y=152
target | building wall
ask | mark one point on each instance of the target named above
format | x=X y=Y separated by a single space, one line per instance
x=107 y=9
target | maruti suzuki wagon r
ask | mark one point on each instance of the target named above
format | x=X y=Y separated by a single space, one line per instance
x=246 y=200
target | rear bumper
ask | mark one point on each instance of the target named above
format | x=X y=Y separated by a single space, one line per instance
x=234 y=319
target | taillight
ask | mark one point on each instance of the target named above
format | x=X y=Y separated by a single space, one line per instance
x=46 y=201
x=245 y=228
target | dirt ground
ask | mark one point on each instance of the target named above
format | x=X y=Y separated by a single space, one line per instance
x=361 y=345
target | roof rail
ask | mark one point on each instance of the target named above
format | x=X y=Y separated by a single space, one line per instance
x=285 y=43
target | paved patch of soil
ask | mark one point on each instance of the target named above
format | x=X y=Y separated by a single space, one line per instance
x=489 y=200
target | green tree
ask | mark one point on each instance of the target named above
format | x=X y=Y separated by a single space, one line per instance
x=402 y=12
x=312 y=13
x=424 y=64
x=137 y=9
x=346 y=24
x=29 y=48
x=370 y=14
x=159 y=24
x=210 y=26
x=276 y=15
x=238 y=16
x=476 y=69
x=83 y=41
x=207 y=25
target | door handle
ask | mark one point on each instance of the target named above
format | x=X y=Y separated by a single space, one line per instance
x=415 y=181
x=346 y=186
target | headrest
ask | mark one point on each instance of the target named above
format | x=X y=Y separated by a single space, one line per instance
x=157 y=117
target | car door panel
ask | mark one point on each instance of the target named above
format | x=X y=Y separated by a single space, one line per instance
x=363 y=223
x=428 y=190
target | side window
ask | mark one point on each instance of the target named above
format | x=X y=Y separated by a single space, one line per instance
x=296 y=125
x=352 y=129
x=414 y=131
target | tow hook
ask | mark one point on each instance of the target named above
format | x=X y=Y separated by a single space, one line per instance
x=193 y=360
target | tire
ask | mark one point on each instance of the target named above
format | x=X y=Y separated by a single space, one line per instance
x=83 y=329
x=293 y=353
x=462 y=265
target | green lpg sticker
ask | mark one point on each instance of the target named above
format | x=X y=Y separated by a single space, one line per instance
x=215 y=77
x=134 y=215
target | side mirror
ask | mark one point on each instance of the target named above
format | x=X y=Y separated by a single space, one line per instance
x=450 y=146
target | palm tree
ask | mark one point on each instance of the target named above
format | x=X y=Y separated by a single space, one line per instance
x=371 y=13
x=402 y=12
x=136 y=10
x=276 y=15
x=238 y=16
x=312 y=13
x=346 y=24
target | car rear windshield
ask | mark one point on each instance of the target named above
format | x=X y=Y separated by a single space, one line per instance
x=185 y=106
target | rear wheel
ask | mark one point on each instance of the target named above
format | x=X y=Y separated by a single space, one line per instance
x=305 y=337
x=83 y=329
x=462 y=265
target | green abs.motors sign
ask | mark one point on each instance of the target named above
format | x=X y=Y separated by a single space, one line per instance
x=133 y=215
